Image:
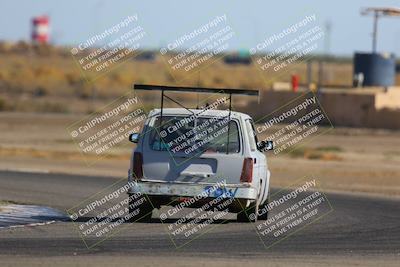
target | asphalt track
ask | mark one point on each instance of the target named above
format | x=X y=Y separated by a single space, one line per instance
x=357 y=225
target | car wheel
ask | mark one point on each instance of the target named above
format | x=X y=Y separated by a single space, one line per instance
x=248 y=214
x=142 y=212
x=263 y=211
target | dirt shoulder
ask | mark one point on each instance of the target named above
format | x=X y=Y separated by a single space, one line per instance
x=346 y=160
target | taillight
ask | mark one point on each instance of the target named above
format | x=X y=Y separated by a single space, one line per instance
x=137 y=165
x=247 y=171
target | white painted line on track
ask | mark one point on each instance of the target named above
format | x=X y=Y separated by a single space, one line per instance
x=25 y=170
x=12 y=216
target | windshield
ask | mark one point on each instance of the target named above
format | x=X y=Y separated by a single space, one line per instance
x=179 y=134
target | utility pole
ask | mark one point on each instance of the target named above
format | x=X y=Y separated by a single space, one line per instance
x=375 y=32
x=378 y=12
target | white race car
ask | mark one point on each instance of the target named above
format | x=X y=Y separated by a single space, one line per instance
x=182 y=153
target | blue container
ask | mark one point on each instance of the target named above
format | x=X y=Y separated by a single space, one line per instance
x=378 y=69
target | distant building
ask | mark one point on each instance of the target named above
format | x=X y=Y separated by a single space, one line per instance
x=242 y=57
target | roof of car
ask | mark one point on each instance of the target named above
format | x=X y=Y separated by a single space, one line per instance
x=201 y=112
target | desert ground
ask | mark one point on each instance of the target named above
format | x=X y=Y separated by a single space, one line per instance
x=342 y=159
x=42 y=93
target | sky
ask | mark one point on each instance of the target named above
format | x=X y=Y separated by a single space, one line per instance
x=74 y=21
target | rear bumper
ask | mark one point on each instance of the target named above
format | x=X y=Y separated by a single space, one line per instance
x=160 y=188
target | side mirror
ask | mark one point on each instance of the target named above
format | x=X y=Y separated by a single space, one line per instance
x=265 y=146
x=134 y=137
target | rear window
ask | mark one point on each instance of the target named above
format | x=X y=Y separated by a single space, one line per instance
x=179 y=134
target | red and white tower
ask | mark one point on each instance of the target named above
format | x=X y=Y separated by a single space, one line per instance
x=40 y=29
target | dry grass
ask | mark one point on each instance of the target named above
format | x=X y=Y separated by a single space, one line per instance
x=320 y=153
x=45 y=76
x=7 y=202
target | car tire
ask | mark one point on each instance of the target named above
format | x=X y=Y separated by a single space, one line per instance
x=141 y=213
x=248 y=215
x=263 y=212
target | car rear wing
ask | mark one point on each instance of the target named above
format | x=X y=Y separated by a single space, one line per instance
x=181 y=89
x=195 y=89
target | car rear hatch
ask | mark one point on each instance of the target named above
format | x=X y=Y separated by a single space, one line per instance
x=193 y=149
